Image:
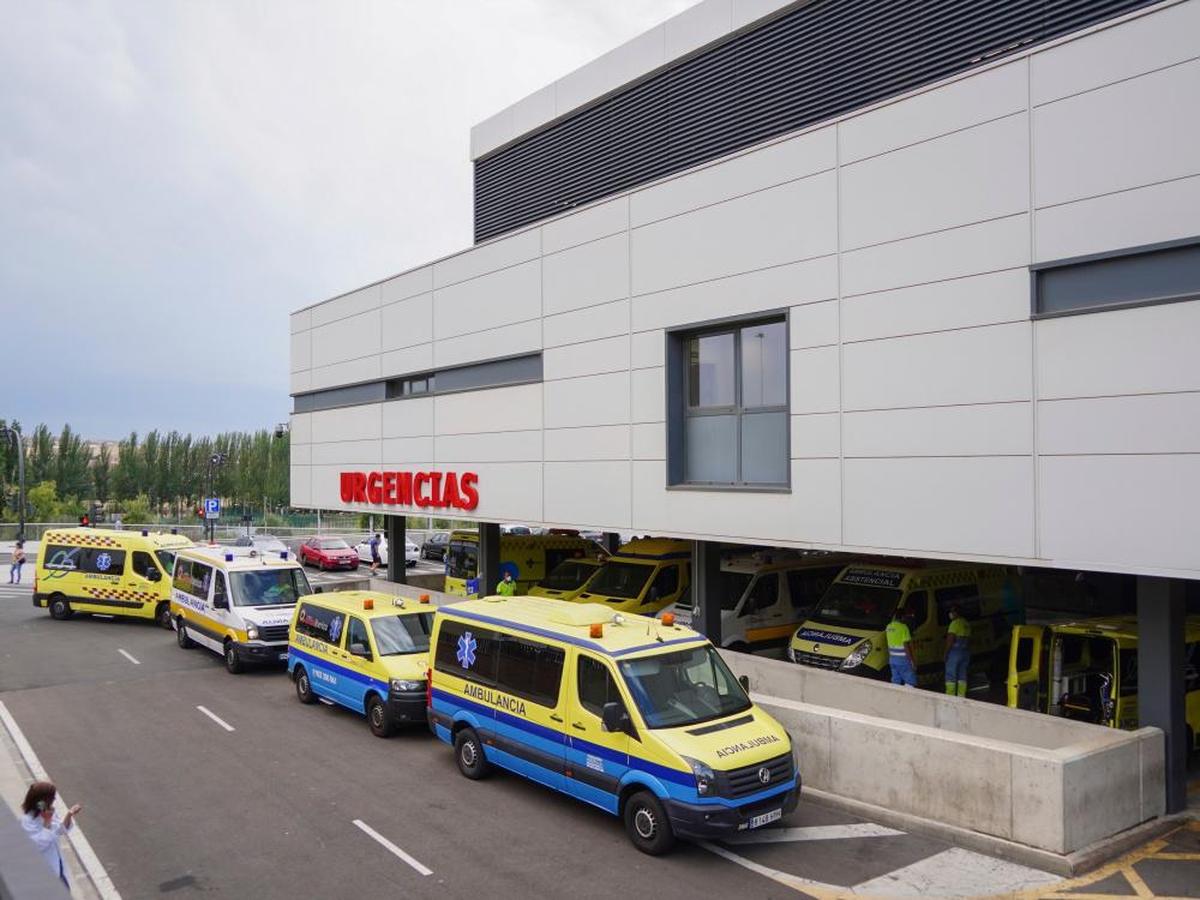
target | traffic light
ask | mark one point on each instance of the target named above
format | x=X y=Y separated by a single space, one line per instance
x=85 y=521
x=199 y=512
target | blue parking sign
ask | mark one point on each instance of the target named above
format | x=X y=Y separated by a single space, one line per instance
x=212 y=508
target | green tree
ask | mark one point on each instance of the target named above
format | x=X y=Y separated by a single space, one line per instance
x=43 y=498
x=137 y=510
x=102 y=474
x=39 y=461
x=71 y=459
x=127 y=475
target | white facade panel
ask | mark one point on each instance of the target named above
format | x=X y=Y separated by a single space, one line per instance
x=594 y=400
x=647 y=348
x=992 y=429
x=589 y=224
x=300 y=428
x=407 y=418
x=495 y=343
x=347 y=305
x=300 y=381
x=345 y=339
x=632 y=59
x=1142 y=423
x=592 y=323
x=939 y=306
x=1118 y=137
x=509 y=492
x=1128 y=351
x=969 y=101
x=407 y=361
x=650 y=441
x=301 y=454
x=406 y=322
x=408 y=284
x=934 y=505
x=648 y=391
x=813 y=325
x=815 y=380
x=968 y=176
x=816 y=436
x=300 y=486
x=490 y=301
x=975 y=365
x=347 y=453
x=753 y=292
x=500 y=446
x=753 y=171
x=394 y=452
x=571 y=494
x=517 y=408
x=300 y=321
x=590 y=358
x=301 y=351
x=609 y=442
x=350 y=423
x=591 y=273
x=349 y=372
x=1146 y=517
x=696 y=26
x=502 y=253
x=782 y=224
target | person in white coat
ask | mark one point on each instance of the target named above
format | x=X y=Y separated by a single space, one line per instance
x=45 y=827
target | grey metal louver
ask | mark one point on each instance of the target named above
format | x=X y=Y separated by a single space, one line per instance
x=819 y=61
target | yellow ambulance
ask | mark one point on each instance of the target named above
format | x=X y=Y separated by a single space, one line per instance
x=1087 y=670
x=527 y=557
x=568 y=579
x=363 y=650
x=645 y=575
x=106 y=571
x=637 y=716
x=846 y=629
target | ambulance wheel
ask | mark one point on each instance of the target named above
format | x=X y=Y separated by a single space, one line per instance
x=304 y=691
x=59 y=608
x=181 y=635
x=162 y=615
x=233 y=661
x=378 y=718
x=468 y=752
x=647 y=824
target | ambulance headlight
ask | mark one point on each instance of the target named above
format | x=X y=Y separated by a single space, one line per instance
x=401 y=686
x=857 y=655
x=791 y=653
x=252 y=632
x=706 y=778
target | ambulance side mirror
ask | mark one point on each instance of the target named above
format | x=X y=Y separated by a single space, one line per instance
x=220 y=602
x=744 y=681
x=615 y=718
x=153 y=575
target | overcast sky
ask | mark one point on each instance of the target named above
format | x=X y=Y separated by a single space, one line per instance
x=176 y=176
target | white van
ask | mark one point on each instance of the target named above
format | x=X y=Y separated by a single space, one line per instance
x=765 y=595
x=236 y=602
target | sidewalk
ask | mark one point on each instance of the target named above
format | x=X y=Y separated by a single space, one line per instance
x=15 y=778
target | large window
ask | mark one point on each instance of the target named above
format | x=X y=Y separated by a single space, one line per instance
x=734 y=406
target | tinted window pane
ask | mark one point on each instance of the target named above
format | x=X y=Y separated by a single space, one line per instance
x=596 y=685
x=765 y=448
x=356 y=633
x=1166 y=274
x=710 y=371
x=764 y=365
x=477 y=656
x=711 y=448
x=530 y=669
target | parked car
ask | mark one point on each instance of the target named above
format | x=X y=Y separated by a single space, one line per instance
x=412 y=552
x=328 y=553
x=265 y=544
x=435 y=546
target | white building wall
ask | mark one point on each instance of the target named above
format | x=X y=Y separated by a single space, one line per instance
x=930 y=415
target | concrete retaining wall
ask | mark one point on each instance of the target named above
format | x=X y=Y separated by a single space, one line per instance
x=1044 y=782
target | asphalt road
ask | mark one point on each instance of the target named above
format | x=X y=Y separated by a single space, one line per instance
x=175 y=803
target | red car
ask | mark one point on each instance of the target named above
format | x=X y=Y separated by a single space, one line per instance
x=328 y=553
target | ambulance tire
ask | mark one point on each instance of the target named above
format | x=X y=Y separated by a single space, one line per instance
x=647 y=824
x=468 y=753
x=304 y=691
x=162 y=615
x=60 y=609
x=378 y=718
x=181 y=636
x=233 y=662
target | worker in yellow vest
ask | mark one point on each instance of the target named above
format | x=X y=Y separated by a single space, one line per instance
x=900 y=649
x=507 y=587
x=958 y=652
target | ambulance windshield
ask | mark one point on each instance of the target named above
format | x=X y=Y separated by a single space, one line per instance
x=683 y=688
x=621 y=579
x=402 y=634
x=568 y=575
x=856 y=606
x=269 y=587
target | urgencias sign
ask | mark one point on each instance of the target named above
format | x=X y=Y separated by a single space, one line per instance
x=442 y=490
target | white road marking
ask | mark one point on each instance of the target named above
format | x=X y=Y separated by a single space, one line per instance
x=128 y=656
x=812 y=833
x=388 y=845
x=87 y=856
x=956 y=873
x=212 y=715
x=795 y=882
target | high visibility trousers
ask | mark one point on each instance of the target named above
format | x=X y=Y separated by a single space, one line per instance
x=902 y=670
x=957 y=662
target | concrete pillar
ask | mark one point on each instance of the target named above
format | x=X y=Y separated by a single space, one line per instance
x=489 y=557
x=1161 y=609
x=706 y=577
x=396 y=532
x=611 y=542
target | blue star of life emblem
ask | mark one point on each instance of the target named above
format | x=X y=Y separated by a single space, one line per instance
x=467 y=646
x=103 y=561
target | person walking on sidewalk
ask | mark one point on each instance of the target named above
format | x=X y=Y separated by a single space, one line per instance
x=375 y=560
x=18 y=560
x=44 y=826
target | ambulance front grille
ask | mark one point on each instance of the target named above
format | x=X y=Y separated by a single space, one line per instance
x=273 y=633
x=748 y=780
x=817 y=660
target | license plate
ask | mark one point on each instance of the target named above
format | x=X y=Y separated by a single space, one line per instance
x=766 y=818
x=684 y=617
x=283 y=657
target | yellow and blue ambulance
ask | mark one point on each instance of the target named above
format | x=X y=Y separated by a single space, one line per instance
x=363 y=650
x=637 y=716
x=644 y=576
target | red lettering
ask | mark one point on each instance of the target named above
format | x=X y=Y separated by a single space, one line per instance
x=404 y=486
x=419 y=481
x=470 y=493
x=347 y=487
x=360 y=487
x=389 y=487
x=435 y=489
x=375 y=488
x=450 y=494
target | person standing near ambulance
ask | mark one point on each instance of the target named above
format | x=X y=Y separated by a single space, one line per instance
x=44 y=826
x=900 y=649
x=958 y=652
x=507 y=587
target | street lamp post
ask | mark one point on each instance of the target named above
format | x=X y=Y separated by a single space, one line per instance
x=15 y=435
x=215 y=460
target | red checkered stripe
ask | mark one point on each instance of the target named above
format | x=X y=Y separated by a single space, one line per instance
x=119 y=594
x=87 y=540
